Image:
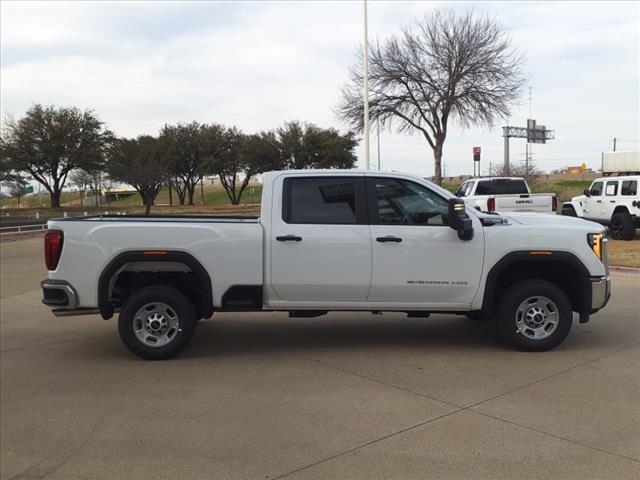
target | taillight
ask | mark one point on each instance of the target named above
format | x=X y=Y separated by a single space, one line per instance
x=554 y=204
x=491 y=204
x=52 y=248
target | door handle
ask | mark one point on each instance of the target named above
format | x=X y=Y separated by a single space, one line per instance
x=388 y=238
x=598 y=201
x=612 y=201
x=288 y=238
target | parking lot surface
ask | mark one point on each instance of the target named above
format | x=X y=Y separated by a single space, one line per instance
x=348 y=395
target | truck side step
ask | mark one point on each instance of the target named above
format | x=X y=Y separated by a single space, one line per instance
x=418 y=314
x=306 y=313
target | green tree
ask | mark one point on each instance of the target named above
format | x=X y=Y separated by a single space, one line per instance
x=305 y=146
x=49 y=142
x=142 y=163
x=185 y=149
x=237 y=158
x=446 y=66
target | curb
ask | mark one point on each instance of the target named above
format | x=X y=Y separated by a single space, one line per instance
x=624 y=270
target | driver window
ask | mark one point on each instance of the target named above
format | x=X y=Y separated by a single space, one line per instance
x=596 y=189
x=401 y=202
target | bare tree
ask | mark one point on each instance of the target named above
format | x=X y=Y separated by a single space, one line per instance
x=445 y=66
x=527 y=170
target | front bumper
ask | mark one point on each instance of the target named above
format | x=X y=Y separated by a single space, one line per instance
x=600 y=292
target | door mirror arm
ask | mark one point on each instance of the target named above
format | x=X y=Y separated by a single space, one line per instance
x=587 y=192
x=459 y=220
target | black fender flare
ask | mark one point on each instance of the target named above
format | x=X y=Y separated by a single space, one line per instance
x=106 y=307
x=546 y=256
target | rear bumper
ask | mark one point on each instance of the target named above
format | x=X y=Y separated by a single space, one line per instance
x=59 y=294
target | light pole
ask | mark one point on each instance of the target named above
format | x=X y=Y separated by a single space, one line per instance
x=366 y=89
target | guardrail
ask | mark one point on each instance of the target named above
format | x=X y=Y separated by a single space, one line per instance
x=41 y=227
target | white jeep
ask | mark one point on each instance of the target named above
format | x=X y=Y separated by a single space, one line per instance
x=610 y=201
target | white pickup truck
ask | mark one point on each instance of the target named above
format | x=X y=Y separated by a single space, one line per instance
x=610 y=201
x=327 y=241
x=505 y=194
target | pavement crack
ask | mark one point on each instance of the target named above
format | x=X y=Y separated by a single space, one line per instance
x=367 y=444
x=539 y=380
x=553 y=435
x=381 y=382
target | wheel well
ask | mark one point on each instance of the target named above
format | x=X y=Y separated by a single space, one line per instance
x=128 y=282
x=620 y=209
x=131 y=271
x=566 y=275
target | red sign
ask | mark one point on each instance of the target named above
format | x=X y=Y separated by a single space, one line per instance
x=476 y=150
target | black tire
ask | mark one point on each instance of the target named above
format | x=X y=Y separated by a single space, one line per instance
x=513 y=324
x=569 y=211
x=621 y=226
x=180 y=322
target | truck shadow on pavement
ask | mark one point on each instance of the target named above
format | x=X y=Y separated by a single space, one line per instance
x=221 y=337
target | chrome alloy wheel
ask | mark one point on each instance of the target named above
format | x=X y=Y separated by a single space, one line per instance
x=537 y=318
x=156 y=324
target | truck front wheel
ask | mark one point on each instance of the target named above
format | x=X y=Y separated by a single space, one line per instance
x=534 y=315
x=157 y=322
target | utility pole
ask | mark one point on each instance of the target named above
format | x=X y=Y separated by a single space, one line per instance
x=378 y=144
x=366 y=89
x=614 y=143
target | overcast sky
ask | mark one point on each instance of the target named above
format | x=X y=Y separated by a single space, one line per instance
x=257 y=64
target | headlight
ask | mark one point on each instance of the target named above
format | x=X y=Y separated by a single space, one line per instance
x=595 y=242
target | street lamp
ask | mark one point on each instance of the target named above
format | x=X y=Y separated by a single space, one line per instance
x=366 y=90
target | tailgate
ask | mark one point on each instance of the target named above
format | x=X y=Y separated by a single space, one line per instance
x=524 y=203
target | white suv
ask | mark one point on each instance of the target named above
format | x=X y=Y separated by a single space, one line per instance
x=611 y=201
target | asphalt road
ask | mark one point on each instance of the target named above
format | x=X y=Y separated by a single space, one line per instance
x=343 y=396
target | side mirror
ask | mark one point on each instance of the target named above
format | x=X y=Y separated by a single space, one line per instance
x=586 y=192
x=459 y=220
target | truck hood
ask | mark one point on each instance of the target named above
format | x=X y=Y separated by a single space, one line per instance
x=550 y=219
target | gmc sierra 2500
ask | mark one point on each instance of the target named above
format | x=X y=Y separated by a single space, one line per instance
x=326 y=241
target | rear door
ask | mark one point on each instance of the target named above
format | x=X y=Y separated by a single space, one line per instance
x=320 y=240
x=417 y=257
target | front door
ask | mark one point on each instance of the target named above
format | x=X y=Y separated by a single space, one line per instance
x=593 y=203
x=417 y=257
x=320 y=241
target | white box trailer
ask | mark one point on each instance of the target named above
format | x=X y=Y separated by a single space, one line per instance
x=621 y=163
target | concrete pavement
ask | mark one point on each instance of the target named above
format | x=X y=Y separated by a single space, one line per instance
x=341 y=396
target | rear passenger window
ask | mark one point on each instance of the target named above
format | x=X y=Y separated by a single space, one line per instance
x=612 y=189
x=629 y=187
x=328 y=200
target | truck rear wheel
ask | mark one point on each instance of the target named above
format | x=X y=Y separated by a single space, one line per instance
x=621 y=226
x=157 y=322
x=534 y=315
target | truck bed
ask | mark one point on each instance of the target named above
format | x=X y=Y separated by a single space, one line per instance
x=230 y=248
x=164 y=218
